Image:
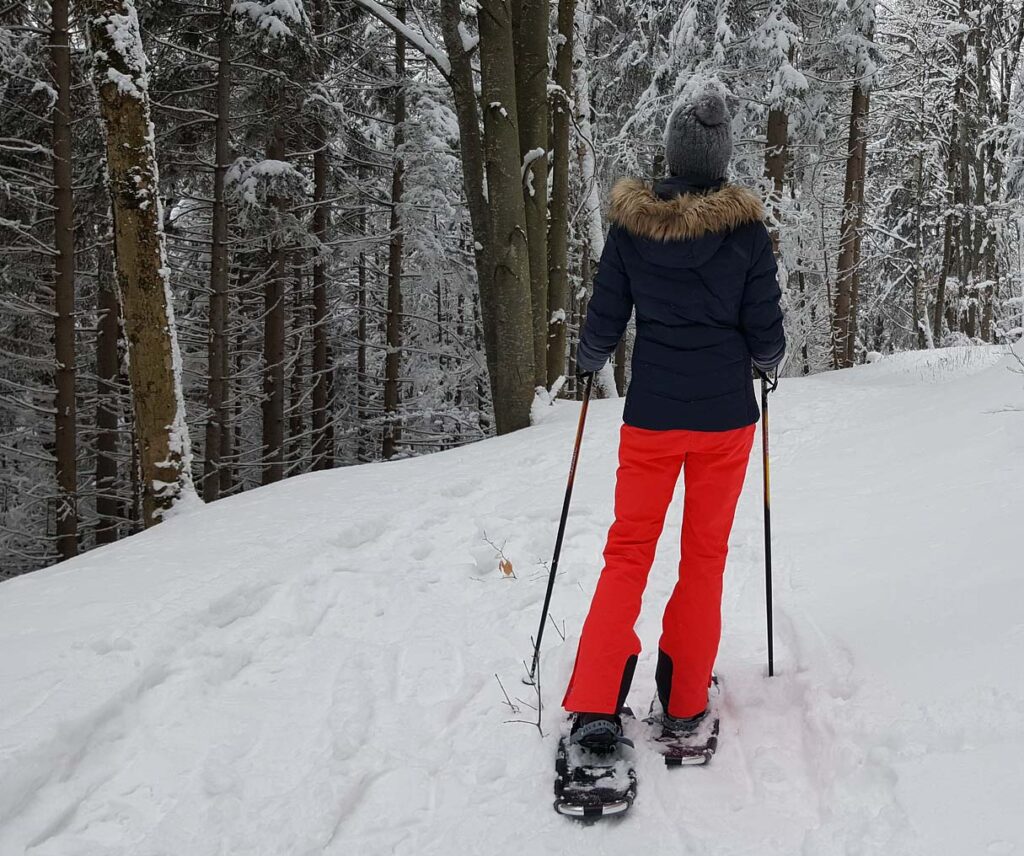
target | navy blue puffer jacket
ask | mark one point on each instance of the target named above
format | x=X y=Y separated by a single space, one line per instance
x=698 y=269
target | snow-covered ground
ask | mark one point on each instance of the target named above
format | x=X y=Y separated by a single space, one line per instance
x=310 y=668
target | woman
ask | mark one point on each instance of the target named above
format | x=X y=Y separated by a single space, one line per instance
x=692 y=256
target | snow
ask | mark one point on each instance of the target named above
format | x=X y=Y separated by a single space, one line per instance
x=421 y=41
x=276 y=18
x=526 y=174
x=179 y=443
x=604 y=381
x=125 y=83
x=43 y=86
x=469 y=40
x=309 y=668
x=126 y=40
x=497 y=105
x=255 y=181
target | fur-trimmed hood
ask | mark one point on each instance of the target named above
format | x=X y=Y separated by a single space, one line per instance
x=639 y=210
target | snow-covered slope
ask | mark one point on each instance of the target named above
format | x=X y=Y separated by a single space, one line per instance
x=310 y=668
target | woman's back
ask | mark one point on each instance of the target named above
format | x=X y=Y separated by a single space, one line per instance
x=697 y=266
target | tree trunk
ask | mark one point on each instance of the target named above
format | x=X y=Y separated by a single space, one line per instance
x=918 y=250
x=843 y=331
x=236 y=421
x=558 y=234
x=530 y=24
x=361 y=368
x=586 y=275
x=777 y=140
x=393 y=333
x=499 y=231
x=952 y=198
x=321 y=416
x=509 y=281
x=297 y=383
x=940 y=291
x=64 y=288
x=108 y=407
x=471 y=147
x=273 y=338
x=217 y=343
x=120 y=77
x=988 y=178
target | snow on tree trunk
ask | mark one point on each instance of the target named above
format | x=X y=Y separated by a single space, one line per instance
x=122 y=84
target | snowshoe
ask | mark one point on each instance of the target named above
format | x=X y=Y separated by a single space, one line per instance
x=594 y=775
x=687 y=742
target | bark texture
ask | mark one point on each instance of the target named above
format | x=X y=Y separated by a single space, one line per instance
x=844 y=323
x=120 y=76
x=775 y=165
x=508 y=286
x=531 y=76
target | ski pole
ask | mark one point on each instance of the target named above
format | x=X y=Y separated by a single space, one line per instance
x=530 y=679
x=765 y=389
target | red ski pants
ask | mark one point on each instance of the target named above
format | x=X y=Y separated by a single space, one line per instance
x=714 y=464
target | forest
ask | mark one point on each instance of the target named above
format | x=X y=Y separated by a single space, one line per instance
x=242 y=241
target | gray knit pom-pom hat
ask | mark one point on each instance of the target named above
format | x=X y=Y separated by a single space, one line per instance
x=698 y=139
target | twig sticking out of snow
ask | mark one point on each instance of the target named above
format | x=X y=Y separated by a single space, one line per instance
x=508 y=701
x=539 y=708
x=559 y=630
x=504 y=563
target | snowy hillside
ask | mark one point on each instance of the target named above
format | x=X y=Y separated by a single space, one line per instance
x=310 y=668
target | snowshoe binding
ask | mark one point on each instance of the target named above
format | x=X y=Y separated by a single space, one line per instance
x=687 y=742
x=594 y=775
